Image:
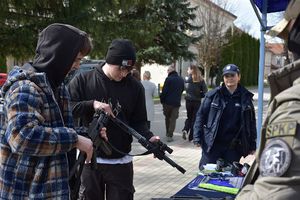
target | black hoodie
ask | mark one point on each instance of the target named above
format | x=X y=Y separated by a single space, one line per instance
x=57 y=48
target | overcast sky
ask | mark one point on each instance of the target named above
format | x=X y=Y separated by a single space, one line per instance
x=246 y=18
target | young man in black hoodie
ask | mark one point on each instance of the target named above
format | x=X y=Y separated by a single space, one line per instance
x=38 y=129
x=107 y=87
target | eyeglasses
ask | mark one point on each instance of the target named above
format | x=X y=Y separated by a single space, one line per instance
x=128 y=68
x=125 y=70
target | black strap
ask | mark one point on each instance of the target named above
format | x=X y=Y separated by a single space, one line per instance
x=128 y=154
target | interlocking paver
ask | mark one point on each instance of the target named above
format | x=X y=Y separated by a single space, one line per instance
x=154 y=178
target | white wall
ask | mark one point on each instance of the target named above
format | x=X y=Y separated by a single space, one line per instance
x=158 y=72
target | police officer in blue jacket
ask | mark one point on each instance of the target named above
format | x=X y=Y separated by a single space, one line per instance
x=225 y=125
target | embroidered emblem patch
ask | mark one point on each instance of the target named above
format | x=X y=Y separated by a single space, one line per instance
x=275 y=158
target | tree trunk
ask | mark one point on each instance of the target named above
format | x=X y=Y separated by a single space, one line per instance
x=206 y=74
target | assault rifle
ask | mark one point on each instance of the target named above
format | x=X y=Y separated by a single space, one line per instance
x=100 y=120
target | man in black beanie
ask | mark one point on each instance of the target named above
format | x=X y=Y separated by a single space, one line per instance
x=107 y=87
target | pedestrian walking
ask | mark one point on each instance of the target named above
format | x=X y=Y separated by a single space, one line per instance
x=38 y=130
x=195 y=88
x=225 y=125
x=150 y=93
x=275 y=173
x=170 y=99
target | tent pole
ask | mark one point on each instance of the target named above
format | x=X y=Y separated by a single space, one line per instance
x=261 y=71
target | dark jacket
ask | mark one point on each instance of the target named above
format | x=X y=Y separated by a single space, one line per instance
x=208 y=121
x=195 y=91
x=172 y=90
x=93 y=85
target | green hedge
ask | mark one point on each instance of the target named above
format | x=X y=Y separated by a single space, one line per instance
x=243 y=51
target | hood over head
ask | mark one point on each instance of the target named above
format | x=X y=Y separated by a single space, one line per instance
x=57 y=48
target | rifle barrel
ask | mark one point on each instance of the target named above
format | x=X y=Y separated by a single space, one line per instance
x=148 y=145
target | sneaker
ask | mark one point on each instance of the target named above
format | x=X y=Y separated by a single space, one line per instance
x=170 y=139
x=184 y=134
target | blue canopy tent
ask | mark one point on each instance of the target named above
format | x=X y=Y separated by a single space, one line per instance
x=264 y=6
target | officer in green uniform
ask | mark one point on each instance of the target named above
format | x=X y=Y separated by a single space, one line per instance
x=276 y=171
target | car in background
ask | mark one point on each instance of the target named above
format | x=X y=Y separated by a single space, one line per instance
x=85 y=65
x=3 y=77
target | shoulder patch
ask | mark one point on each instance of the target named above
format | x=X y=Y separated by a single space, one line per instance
x=275 y=158
x=287 y=128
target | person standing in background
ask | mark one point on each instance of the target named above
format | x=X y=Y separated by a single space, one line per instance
x=150 y=92
x=136 y=74
x=170 y=99
x=225 y=125
x=195 y=88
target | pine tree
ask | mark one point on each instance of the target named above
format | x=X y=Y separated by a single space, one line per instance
x=157 y=27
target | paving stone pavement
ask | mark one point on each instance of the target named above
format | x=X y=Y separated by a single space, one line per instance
x=154 y=178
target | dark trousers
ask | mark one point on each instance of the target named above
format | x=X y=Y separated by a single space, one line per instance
x=219 y=151
x=114 y=181
x=191 y=110
x=171 y=115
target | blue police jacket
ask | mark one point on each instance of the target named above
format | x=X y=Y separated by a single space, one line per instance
x=208 y=119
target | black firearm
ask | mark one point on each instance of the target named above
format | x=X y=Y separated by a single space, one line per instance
x=100 y=120
x=157 y=148
x=93 y=132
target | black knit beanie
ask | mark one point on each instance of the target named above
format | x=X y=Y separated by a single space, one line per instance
x=121 y=52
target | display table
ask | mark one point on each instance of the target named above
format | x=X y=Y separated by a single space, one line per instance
x=192 y=191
